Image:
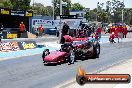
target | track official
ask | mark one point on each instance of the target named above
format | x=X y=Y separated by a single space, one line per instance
x=65 y=31
x=21 y=29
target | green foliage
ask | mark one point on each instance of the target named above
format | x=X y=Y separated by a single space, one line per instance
x=1 y=4
x=49 y=10
x=113 y=12
x=5 y=3
x=128 y=16
x=77 y=6
x=131 y=22
x=65 y=7
x=21 y=4
x=115 y=7
x=97 y=15
x=16 y=4
x=40 y=9
x=102 y=16
x=91 y=15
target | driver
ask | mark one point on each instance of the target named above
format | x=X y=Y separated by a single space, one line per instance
x=82 y=34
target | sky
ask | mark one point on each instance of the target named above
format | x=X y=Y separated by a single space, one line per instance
x=86 y=3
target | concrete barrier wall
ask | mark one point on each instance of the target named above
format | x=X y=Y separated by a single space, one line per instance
x=15 y=46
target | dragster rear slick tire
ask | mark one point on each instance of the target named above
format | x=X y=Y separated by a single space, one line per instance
x=45 y=53
x=71 y=57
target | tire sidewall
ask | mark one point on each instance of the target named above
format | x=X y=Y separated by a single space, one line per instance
x=45 y=53
x=72 y=57
x=97 y=50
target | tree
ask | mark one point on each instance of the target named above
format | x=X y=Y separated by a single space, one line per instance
x=77 y=6
x=37 y=7
x=102 y=16
x=100 y=6
x=50 y=10
x=40 y=9
x=65 y=7
x=1 y=3
x=91 y=15
x=6 y=4
x=114 y=8
x=21 y=4
x=127 y=14
x=97 y=14
x=131 y=22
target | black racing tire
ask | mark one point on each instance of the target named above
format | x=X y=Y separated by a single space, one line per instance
x=62 y=40
x=72 y=57
x=45 y=53
x=91 y=53
x=96 y=51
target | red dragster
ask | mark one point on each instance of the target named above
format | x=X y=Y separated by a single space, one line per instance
x=73 y=51
x=68 y=38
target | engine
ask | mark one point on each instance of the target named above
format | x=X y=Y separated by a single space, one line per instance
x=82 y=49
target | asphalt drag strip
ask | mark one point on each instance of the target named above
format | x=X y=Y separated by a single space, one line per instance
x=30 y=72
